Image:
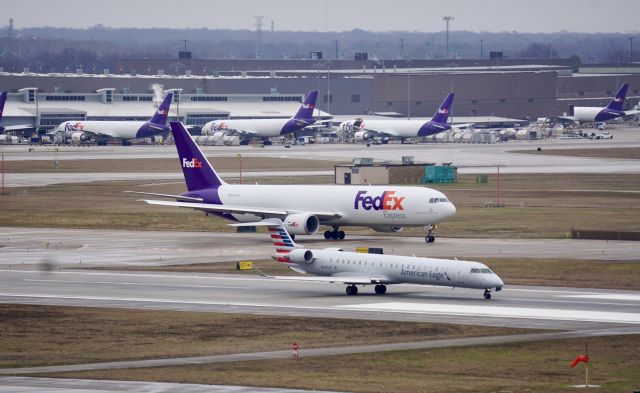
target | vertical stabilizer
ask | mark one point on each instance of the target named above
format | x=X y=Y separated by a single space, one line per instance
x=160 y=117
x=306 y=109
x=198 y=172
x=442 y=114
x=618 y=100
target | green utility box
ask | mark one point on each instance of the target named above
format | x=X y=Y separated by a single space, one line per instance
x=440 y=174
x=482 y=179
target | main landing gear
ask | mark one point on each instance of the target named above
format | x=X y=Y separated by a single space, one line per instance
x=431 y=234
x=487 y=294
x=335 y=234
x=352 y=290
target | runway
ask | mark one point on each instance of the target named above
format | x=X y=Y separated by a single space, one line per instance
x=42 y=385
x=515 y=306
x=22 y=247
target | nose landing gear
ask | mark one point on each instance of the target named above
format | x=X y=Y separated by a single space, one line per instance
x=487 y=294
x=431 y=234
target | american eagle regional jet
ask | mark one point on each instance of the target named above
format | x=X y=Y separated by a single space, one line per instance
x=352 y=268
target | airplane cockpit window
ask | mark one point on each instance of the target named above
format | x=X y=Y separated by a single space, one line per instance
x=475 y=270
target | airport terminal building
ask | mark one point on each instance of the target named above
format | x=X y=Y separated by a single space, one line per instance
x=274 y=89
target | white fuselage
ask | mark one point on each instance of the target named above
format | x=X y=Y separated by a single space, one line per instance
x=263 y=128
x=401 y=128
x=394 y=269
x=385 y=206
x=586 y=114
x=108 y=129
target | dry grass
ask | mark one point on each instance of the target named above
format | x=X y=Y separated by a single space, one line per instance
x=163 y=165
x=617 y=152
x=47 y=335
x=523 y=367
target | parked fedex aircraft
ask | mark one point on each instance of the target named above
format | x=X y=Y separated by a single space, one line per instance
x=590 y=114
x=352 y=268
x=265 y=128
x=303 y=208
x=397 y=128
x=82 y=131
x=3 y=100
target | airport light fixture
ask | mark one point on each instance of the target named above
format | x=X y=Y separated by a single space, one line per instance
x=447 y=19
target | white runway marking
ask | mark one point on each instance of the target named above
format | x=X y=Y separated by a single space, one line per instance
x=137 y=284
x=495 y=311
x=606 y=296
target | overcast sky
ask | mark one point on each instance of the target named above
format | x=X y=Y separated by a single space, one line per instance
x=332 y=15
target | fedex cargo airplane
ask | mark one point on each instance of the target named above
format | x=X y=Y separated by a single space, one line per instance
x=82 y=131
x=3 y=100
x=590 y=114
x=397 y=128
x=303 y=208
x=352 y=268
x=266 y=128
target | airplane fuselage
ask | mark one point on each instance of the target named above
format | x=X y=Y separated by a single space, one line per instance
x=112 y=129
x=263 y=128
x=373 y=206
x=398 y=128
x=587 y=114
x=394 y=269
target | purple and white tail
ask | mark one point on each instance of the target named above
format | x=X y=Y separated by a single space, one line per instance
x=198 y=172
x=617 y=101
x=306 y=109
x=160 y=117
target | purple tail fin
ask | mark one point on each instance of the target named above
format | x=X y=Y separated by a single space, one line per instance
x=3 y=99
x=309 y=104
x=442 y=114
x=160 y=117
x=198 y=172
x=617 y=101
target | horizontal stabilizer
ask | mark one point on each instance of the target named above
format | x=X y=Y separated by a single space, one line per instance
x=178 y=197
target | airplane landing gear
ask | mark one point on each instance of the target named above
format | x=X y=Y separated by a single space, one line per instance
x=431 y=234
x=352 y=290
x=487 y=294
x=335 y=234
x=381 y=289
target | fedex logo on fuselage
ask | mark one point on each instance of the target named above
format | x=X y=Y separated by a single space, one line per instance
x=193 y=163
x=386 y=201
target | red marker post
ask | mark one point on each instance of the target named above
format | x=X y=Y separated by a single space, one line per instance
x=294 y=350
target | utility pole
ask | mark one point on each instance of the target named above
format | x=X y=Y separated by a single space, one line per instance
x=401 y=48
x=631 y=49
x=481 y=48
x=259 y=24
x=447 y=19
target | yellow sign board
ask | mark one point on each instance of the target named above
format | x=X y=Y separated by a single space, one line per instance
x=245 y=265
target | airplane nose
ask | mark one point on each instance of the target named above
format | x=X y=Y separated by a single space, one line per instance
x=452 y=209
x=498 y=281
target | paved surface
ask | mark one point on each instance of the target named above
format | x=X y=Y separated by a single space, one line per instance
x=314 y=352
x=515 y=306
x=42 y=385
x=102 y=247
x=43 y=179
x=470 y=158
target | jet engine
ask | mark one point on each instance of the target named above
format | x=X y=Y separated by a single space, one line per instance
x=302 y=224
x=387 y=229
x=79 y=137
x=300 y=256
x=362 y=136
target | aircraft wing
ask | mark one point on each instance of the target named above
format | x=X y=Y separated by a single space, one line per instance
x=258 y=211
x=331 y=279
x=18 y=127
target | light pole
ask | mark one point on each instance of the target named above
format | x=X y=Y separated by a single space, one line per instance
x=447 y=19
x=481 y=48
x=328 y=88
x=631 y=49
x=409 y=90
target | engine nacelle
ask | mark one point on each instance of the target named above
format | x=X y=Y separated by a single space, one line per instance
x=79 y=137
x=387 y=229
x=362 y=136
x=301 y=256
x=302 y=224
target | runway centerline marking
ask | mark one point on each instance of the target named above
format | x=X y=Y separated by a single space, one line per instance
x=607 y=296
x=136 y=283
x=496 y=311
